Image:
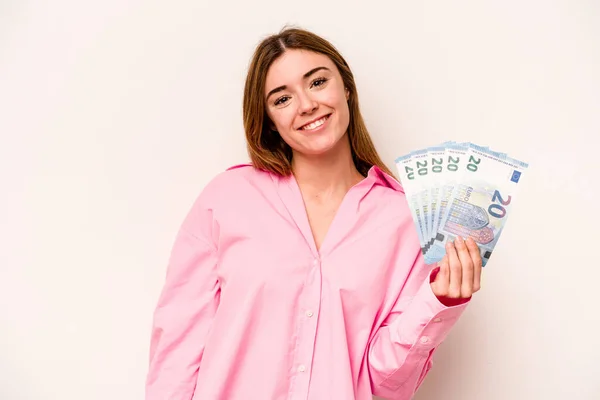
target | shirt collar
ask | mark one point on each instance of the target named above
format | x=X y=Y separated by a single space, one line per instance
x=375 y=176
x=378 y=177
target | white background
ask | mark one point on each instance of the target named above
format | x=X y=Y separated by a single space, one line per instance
x=114 y=114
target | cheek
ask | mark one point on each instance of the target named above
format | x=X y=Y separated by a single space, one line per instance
x=283 y=119
x=337 y=100
x=343 y=113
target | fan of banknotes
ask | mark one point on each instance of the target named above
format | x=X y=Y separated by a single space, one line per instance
x=459 y=189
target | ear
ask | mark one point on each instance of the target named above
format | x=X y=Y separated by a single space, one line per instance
x=347 y=93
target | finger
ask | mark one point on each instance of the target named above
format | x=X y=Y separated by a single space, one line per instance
x=466 y=286
x=455 y=270
x=442 y=280
x=477 y=263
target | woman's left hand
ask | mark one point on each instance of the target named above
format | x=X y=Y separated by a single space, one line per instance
x=460 y=270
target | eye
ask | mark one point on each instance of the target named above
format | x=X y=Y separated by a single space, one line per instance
x=281 y=100
x=318 y=82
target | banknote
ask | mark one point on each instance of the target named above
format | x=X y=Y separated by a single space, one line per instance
x=459 y=189
x=421 y=175
x=405 y=167
x=436 y=158
x=480 y=203
x=455 y=157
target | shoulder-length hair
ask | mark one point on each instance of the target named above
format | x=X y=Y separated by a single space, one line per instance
x=266 y=148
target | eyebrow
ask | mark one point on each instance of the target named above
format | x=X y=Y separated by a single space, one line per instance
x=306 y=75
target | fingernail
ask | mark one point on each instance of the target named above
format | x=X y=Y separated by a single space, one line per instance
x=449 y=244
x=459 y=240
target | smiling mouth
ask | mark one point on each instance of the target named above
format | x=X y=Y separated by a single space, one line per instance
x=314 y=124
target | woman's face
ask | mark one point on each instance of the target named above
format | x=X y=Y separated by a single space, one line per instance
x=307 y=102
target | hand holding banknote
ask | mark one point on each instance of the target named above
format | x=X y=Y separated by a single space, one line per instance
x=460 y=196
x=459 y=275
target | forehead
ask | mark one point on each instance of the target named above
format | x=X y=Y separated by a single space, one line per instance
x=292 y=65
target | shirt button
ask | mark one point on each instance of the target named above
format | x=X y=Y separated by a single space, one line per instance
x=309 y=314
x=315 y=262
x=424 y=339
x=301 y=368
x=437 y=320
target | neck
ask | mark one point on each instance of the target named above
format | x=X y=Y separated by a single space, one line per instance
x=331 y=174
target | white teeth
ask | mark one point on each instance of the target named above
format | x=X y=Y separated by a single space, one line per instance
x=315 y=124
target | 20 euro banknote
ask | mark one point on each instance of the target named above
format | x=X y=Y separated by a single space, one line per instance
x=480 y=201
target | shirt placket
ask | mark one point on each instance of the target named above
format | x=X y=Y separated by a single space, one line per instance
x=308 y=319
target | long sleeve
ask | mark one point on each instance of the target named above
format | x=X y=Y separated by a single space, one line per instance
x=400 y=354
x=183 y=316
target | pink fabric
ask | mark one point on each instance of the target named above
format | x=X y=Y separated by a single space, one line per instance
x=251 y=310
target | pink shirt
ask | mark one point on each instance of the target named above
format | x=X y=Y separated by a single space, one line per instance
x=250 y=310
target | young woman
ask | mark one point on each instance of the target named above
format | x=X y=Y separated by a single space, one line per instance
x=300 y=276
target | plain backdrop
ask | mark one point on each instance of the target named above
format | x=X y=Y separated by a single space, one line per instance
x=114 y=114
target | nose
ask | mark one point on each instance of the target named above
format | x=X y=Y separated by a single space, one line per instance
x=307 y=104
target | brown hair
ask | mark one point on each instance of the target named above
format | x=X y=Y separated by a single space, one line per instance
x=267 y=150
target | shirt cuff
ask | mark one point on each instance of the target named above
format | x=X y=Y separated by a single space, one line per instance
x=427 y=321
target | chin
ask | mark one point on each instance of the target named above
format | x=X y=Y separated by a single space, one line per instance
x=323 y=146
